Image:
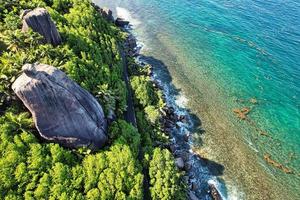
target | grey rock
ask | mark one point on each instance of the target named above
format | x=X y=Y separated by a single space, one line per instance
x=194 y=186
x=187 y=166
x=63 y=112
x=172 y=148
x=179 y=163
x=106 y=14
x=121 y=22
x=192 y=196
x=131 y=42
x=214 y=192
x=186 y=137
x=39 y=21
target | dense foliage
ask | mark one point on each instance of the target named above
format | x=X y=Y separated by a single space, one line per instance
x=164 y=177
x=33 y=169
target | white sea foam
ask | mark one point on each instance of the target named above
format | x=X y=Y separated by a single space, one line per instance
x=125 y=14
x=234 y=194
x=181 y=101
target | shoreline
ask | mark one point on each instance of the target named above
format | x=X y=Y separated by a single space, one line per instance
x=179 y=125
x=244 y=187
x=244 y=190
x=217 y=137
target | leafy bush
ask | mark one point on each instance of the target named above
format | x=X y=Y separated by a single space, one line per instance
x=164 y=177
x=143 y=90
x=152 y=114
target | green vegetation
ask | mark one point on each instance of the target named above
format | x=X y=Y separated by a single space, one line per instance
x=165 y=180
x=89 y=53
x=164 y=177
x=33 y=169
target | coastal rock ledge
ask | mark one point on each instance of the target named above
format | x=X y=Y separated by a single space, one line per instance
x=63 y=112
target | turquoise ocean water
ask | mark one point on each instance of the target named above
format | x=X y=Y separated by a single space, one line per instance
x=227 y=55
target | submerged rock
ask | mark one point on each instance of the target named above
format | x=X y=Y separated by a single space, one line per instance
x=242 y=113
x=63 y=112
x=39 y=21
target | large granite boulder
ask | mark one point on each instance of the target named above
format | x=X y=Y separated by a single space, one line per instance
x=63 y=112
x=39 y=21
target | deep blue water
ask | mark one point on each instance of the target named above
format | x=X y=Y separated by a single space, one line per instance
x=235 y=54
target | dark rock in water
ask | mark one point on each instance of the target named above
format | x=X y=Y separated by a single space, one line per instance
x=63 y=112
x=39 y=21
x=121 y=22
x=106 y=14
x=130 y=46
x=187 y=166
x=194 y=186
x=172 y=148
x=214 y=192
x=186 y=137
x=192 y=196
x=131 y=41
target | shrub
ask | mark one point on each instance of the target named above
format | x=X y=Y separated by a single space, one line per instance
x=164 y=177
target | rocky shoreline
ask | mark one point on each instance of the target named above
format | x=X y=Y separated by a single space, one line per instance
x=176 y=125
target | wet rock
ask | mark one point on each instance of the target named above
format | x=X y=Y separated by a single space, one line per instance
x=172 y=148
x=121 y=22
x=39 y=21
x=186 y=137
x=192 y=196
x=131 y=42
x=169 y=124
x=194 y=186
x=63 y=112
x=182 y=118
x=187 y=166
x=179 y=163
x=130 y=46
x=214 y=192
x=184 y=155
x=106 y=14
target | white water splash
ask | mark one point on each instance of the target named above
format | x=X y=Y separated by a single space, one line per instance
x=181 y=101
x=125 y=14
